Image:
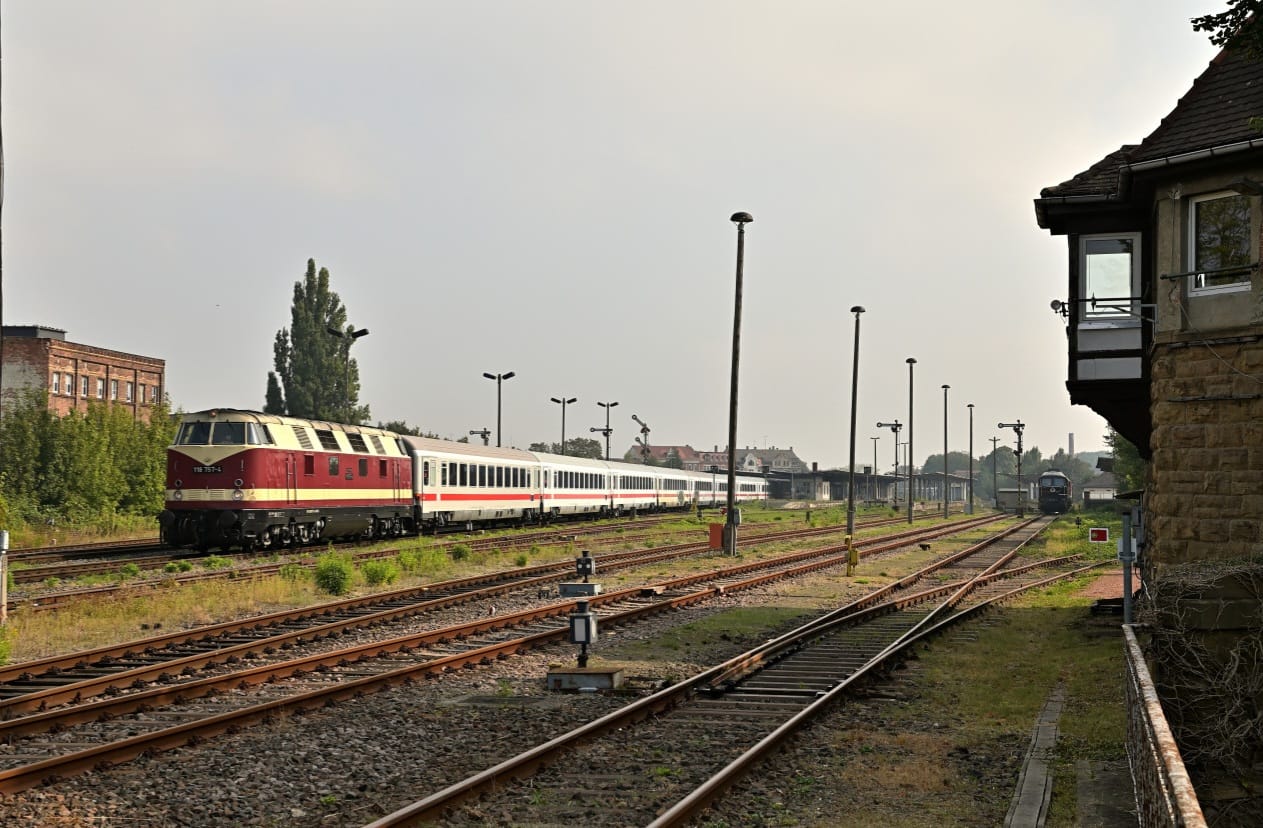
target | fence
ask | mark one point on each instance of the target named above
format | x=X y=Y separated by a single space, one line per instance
x=1164 y=793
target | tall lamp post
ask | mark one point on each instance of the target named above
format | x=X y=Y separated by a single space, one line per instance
x=911 y=477
x=730 y=529
x=945 y=498
x=855 y=375
x=995 y=486
x=1017 y=429
x=607 y=430
x=970 y=509
x=563 y=402
x=894 y=428
x=499 y=378
x=872 y=478
x=348 y=338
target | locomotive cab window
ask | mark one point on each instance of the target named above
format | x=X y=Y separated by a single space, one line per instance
x=229 y=434
x=194 y=434
x=363 y=467
x=333 y=465
x=381 y=470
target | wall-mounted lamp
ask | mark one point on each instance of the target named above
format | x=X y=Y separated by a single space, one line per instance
x=1060 y=307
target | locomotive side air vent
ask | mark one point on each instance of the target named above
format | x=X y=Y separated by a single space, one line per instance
x=327 y=441
x=304 y=439
x=357 y=442
x=377 y=444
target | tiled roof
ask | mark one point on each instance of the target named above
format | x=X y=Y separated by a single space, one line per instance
x=1215 y=112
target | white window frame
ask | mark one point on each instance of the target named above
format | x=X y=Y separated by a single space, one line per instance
x=113 y=389
x=129 y=390
x=1132 y=318
x=56 y=382
x=85 y=386
x=100 y=388
x=1191 y=246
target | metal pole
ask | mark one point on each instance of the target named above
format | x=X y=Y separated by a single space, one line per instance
x=911 y=362
x=563 y=402
x=945 y=387
x=607 y=406
x=970 y=510
x=872 y=478
x=730 y=534
x=499 y=378
x=995 y=488
x=855 y=374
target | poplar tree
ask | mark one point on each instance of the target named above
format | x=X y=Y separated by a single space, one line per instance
x=312 y=366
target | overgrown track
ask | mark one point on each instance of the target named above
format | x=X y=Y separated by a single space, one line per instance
x=140 y=717
x=661 y=760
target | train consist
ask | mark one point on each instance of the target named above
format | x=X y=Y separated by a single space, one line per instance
x=243 y=479
x=1056 y=493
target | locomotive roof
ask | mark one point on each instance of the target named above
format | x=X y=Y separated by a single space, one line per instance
x=260 y=417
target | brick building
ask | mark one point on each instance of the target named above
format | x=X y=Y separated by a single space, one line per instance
x=1164 y=313
x=75 y=375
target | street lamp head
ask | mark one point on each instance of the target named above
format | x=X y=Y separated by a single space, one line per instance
x=741 y=218
x=857 y=309
x=554 y=399
x=911 y=360
x=572 y=399
x=509 y=375
x=945 y=386
x=969 y=405
x=488 y=376
x=359 y=333
x=334 y=331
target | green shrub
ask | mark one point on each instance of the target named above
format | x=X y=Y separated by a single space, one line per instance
x=459 y=552
x=171 y=567
x=377 y=573
x=292 y=572
x=129 y=570
x=333 y=573
x=51 y=582
x=520 y=560
x=216 y=562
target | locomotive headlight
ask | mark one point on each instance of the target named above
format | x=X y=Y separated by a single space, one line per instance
x=237 y=494
x=178 y=495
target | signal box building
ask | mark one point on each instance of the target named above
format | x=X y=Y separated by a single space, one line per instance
x=75 y=374
x=1163 y=304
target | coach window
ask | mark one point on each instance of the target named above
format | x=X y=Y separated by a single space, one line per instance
x=425 y=472
x=363 y=467
x=1221 y=231
x=309 y=465
x=464 y=478
x=333 y=465
x=381 y=470
x=443 y=474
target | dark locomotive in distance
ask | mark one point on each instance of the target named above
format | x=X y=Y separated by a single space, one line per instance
x=1056 y=493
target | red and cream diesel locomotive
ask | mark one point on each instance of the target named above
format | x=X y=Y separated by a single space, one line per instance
x=251 y=480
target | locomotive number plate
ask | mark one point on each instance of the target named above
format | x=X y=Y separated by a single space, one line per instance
x=208 y=469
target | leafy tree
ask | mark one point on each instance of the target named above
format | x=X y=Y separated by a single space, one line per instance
x=401 y=427
x=1235 y=27
x=314 y=375
x=1129 y=467
x=575 y=447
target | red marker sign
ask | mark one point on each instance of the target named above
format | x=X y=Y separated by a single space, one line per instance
x=1101 y=535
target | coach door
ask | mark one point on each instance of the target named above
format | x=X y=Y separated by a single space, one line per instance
x=291 y=478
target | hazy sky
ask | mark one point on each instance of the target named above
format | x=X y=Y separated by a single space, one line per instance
x=545 y=188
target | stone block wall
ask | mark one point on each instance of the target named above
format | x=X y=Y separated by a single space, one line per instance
x=1204 y=498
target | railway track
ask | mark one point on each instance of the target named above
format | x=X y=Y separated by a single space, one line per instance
x=661 y=760
x=68 y=715
x=43 y=601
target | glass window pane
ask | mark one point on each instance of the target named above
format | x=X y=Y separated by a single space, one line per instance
x=1107 y=276
x=1221 y=239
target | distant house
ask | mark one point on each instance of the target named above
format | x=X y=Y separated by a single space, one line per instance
x=1102 y=487
x=74 y=374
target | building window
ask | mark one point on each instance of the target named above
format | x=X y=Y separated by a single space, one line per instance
x=85 y=387
x=56 y=383
x=141 y=392
x=153 y=394
x=1219 y=243
x=129 y=389
x=100 y=388
x=113 y=389
x=68 y=384
x=1109 y=268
